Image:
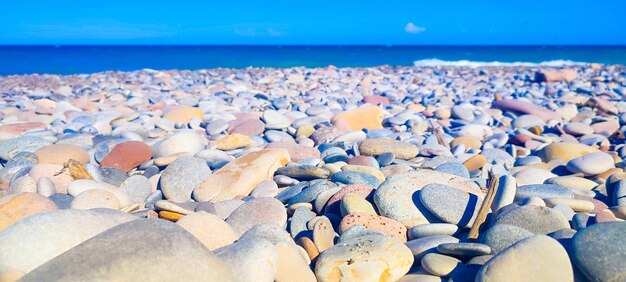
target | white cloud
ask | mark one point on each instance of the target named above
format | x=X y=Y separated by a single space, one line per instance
x=412 y=28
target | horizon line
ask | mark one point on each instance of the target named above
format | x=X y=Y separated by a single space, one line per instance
x=310 y=45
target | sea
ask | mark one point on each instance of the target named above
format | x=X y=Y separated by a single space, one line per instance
x=75 y=59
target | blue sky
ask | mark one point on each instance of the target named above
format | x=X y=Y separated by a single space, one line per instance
x=317 y=22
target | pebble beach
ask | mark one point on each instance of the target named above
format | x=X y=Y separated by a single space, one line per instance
x=429 y=173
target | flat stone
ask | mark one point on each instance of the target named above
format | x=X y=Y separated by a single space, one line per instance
x=304 y=172
x=251 y=127
x=572 y=182
x=422 y=246
x=366 y=258
x=457 y=169
x=239 y=177
x=127 y=155
x=234 y=141
x=450 y=205
x=591 y=164
x=464 y=249
x=440 y=265
x=431 y=229
x=257 y=211
x=599 y=251
x=564 y=151
x=179 y=179
x=353 y=177
x=524 y=107
x=136 y=245
x=505 y=195
x=526 y=260
x=96 y=198
x=502 y=236
x=377 y=147
x=543 y=191
x=536 y=219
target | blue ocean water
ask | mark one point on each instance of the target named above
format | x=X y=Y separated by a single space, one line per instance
x=89 y=59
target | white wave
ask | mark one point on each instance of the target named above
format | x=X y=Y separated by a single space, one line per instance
x=475 y=64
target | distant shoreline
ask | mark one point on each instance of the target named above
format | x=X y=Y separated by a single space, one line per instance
x=76 y=59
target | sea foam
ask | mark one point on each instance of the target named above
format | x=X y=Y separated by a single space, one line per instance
x=475 y=64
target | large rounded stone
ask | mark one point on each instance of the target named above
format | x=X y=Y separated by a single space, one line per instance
x=366 y=258
x=250 y=260
x=257 y=211
x=140 y=250
x=536 y=219
x=396 y=198
x=390 y=227
x=16 y=207
x=564 y=151
x=183 y=175
x=182 y=141
x=591 y=164
x=51 y=234
x=128 y=155
x=527 y=260
x=599 y=251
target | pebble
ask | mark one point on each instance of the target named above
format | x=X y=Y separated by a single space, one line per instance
x=450 y=205
x=368 y=116
x=377 y=147
x=464 y=249
x=422 y=246
x=431 y=229
x=179 y=178
x=591 y=164
x=394 y=197
x=536 y=219
x=257 y=211
x=61 y=153
x=181 y=141
x=240 y=176
x=502 y=236
x=440 y=265
x=366 y=258
x=390 y=227
x=127 y=155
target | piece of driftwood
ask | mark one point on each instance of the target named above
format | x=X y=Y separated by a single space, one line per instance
x=484 y=208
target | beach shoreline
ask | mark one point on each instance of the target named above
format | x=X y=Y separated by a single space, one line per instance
x=313 y=174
